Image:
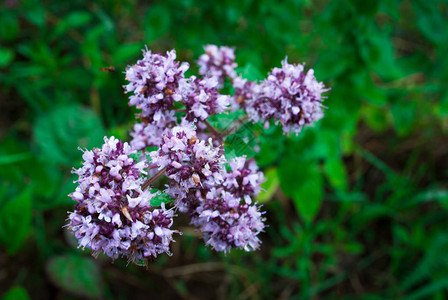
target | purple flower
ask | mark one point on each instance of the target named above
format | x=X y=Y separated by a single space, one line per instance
x=113 y=214
x=150 y=134
x=154 y=80
x=227 y=217
x=288 y=95
x=226 y=223
x=202 y=99
x=243 y=180
x=244 y=90
x=193 y=166
x=218 y=62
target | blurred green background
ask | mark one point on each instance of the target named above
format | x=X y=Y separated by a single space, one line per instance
x=356 y=205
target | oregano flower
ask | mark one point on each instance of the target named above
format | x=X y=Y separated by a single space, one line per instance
x=113 y=214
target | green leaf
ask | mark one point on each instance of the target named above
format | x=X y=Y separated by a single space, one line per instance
x=6 y=57
x=161 y=198
x=353 y=248
x=431 y=21
x=429 y=290
x=404 y=116
x=331 y=65
x=126 y=52
x=378 y=52
x=20 y=167
x=271 y=146
x=73 y=20
x=16 y=293
x=391 y=8
x=375 y=117
x=251 y=72
x=14 y=158
x=120 y=132
x=35 y=12
x=226 y=121
x=59 y=197
x=325 y=145
x=253 y=64
x=157 y=21
x=372 y=93
x=270 y=186
x=342 y=196
x=76 y=274
x=429 y=263
x=9 y=26
x=242 y=142
x=303 y=181
x=342 y=114
x=77 y=19
x=431 y=194
x=236 y=146
x=336 y=174
x=59 y=133
x=91 y=48
x=444 y=105
x=15 y=220
x=12 y=172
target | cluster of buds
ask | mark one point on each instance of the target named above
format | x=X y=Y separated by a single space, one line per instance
x=114 y=212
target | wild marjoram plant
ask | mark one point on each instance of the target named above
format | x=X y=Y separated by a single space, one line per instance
x=116 y=212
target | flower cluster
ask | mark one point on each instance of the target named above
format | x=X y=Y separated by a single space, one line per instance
x=193 y=166
x=150 y=134
x=154 y=80
x=228 y=218
x=289 y=96
x=244 y=179
x=218 y=62
x=202 y=99
x=227 y=223
x=244 y=90
x=218 y=202
x=113 y=214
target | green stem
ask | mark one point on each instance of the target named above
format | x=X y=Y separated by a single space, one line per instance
x=152 y=179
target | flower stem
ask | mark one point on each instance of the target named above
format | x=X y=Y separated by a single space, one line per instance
x=152 y=179
x=151 y=167
x=234 y=128
x=214 y=132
